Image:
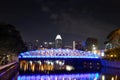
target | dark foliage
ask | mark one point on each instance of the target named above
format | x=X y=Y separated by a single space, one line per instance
x=10 y=40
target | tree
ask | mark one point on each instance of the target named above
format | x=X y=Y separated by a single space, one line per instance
x=10 y=40
x=114 y=37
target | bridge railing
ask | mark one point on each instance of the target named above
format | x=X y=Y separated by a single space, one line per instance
x=8 y=71
x=58 y=53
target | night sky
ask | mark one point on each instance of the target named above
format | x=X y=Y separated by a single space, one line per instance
x=73 y=19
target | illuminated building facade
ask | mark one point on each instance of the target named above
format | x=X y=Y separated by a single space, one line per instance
x=49 y=45
x=58 y=41
x=90 y=42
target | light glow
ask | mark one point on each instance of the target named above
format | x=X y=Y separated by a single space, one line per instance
x=58 y=37
x=58 y=53
x=90 y=76
x=69 y=68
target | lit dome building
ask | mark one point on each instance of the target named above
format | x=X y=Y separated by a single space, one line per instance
x=58 y=41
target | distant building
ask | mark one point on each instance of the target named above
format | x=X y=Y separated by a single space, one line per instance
x=45 y=45
x=58 y=42
x=29 y=45
x=49 y=45
x=74 y=45
x=33 y=45
x=91 y=43
x=79 y=45
x=68 y=47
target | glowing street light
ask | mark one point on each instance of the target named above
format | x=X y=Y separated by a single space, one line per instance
x=93 y=48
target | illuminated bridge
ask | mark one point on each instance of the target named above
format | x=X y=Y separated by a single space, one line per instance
x=57 y=59
x=57 y=53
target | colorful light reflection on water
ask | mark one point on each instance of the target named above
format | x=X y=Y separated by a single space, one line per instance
x=88 y=76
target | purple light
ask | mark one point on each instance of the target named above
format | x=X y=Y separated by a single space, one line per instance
x=90 y=76
x=57 y=53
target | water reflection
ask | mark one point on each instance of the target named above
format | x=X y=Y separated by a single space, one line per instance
x=85 y=76
x=90 y=76
x=110 y=77
x=56 y=65
x=54 y=70
x=45 y=65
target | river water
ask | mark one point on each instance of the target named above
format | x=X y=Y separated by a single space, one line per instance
x=102 y=74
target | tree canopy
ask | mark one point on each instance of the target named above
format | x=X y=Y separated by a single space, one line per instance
x=114 y=37
x=10 y=40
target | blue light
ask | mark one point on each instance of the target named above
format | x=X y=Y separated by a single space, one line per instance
x=87 y=76
x=58 y=57
x=19 y=56
x=57 y=53
x=27 y=52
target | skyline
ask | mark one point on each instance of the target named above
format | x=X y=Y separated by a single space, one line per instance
x=72 y=19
